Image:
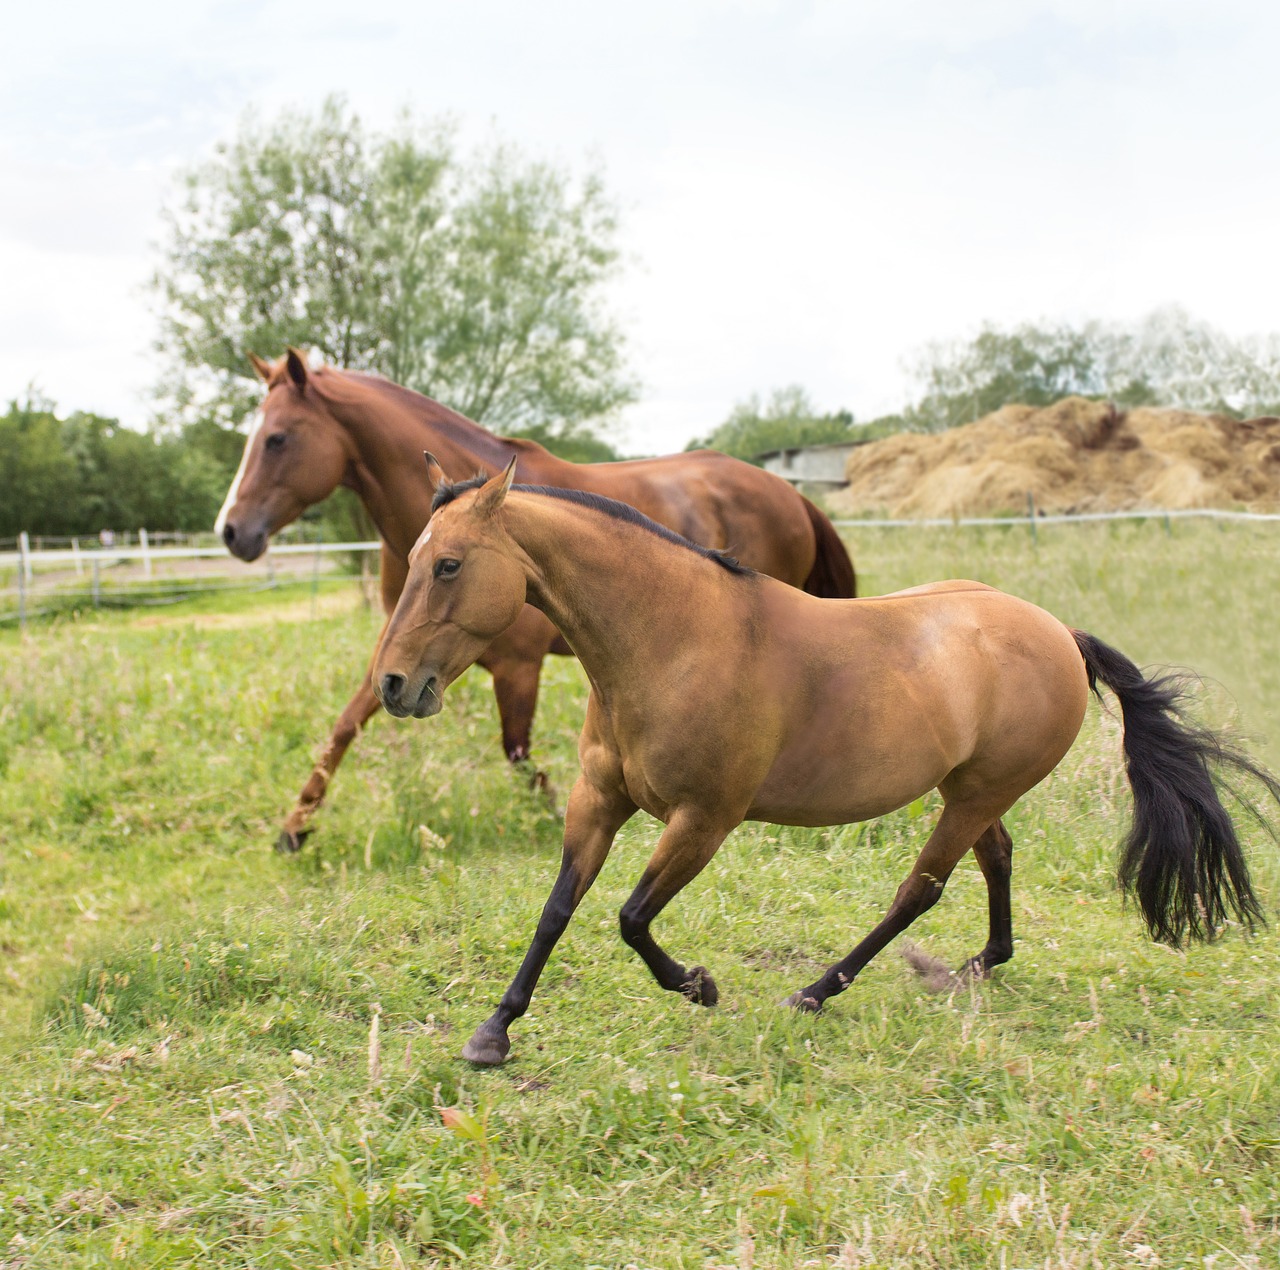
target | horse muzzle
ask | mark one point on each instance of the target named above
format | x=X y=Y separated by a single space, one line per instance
x=403 y=698
x=245 y=542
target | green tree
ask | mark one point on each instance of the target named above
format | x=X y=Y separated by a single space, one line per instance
x=479 y=282
x=39 y=474
x=85 y=473
x=1166 y=359
x=789 y=418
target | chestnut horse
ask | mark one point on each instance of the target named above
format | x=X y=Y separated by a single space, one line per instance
x=319 y=429
x=719 y=695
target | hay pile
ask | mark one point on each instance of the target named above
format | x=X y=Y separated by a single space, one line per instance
x=1073 y=456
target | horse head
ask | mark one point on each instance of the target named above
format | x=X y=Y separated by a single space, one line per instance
x=296 y=454
x=466 y=586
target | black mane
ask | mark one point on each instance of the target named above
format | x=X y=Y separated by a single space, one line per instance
x=446 y=493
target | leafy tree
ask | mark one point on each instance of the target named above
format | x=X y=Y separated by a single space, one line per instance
x=39 y=475
x=478 y=282
x=1166 y=359
x=85 y=473
x=787 y=419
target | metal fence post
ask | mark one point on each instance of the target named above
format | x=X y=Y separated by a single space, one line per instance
x=97 y=583
x=24 y=563
x=146 y=552
x=24 y=550
x=75 y=551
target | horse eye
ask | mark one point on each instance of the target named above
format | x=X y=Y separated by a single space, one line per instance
x=446 y=568
x=275 y=441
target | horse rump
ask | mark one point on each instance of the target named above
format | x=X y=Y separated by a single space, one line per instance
x=1181 y=860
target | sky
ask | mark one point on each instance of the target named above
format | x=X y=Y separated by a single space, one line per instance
x=810 y=192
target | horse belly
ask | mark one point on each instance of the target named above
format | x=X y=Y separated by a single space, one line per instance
x=843 y=785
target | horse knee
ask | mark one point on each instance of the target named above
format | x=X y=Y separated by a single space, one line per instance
x=345 y=733
x=631 y=926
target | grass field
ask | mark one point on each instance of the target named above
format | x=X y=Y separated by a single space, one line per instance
x=215 y=1056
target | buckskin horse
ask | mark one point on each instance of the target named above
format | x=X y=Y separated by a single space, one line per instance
x=321 y=428
x=719 y=695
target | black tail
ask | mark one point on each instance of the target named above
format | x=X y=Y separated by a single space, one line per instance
x=832 y=576
x=1182 y=859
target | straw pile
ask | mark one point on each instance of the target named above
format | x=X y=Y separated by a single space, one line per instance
x=1073 y=456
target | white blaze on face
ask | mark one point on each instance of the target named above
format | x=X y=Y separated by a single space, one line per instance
x=230 y=501
x=423 y=539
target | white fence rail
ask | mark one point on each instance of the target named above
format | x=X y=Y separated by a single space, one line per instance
x=1055 y=518
x=52 y=579
x=36 y=583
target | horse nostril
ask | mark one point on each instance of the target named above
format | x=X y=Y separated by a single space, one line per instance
x=228 y=534
x=392 y=686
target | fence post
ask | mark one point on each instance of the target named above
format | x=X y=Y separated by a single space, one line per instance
x=97 y=583
x=75 y=551
x=24 y=563
x=146 y=552
x=24 y=550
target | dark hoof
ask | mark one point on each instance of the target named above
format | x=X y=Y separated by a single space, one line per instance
x=487 y=1048
x=803 y=1002
x=290 y=841
x=700 y=987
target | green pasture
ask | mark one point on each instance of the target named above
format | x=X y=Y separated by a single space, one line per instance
x=211 y=1055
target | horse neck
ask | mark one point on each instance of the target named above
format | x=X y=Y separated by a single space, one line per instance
x=389 y=428
x=574 y=559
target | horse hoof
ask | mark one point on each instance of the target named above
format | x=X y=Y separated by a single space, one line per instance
x=290 y=840
x=700 y=987
x=803 y=1002
x=487 y=1049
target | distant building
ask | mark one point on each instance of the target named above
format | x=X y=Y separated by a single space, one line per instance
x=810 y=464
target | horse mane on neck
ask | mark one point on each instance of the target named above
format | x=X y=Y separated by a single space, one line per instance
x=354 y=387
x=447 y=493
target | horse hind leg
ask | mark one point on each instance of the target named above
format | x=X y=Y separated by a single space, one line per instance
x=957 y=830
x=994 y=853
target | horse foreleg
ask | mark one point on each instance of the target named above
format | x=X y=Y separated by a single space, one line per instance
x=515 y=685
x=956 y=831
x=592 y=820
x=683 y=850
x=994 y=853
x=358 y=712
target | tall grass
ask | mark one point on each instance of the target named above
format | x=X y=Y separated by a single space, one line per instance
x=214 y=1056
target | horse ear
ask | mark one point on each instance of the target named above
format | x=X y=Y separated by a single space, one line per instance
x=494 y=491
x=263 y=368
x=296 y=364
x=435 y=473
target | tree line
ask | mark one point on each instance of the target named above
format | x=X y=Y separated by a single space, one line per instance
x=1165 y=359
x=480 y=278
